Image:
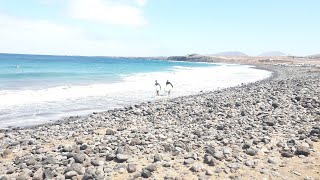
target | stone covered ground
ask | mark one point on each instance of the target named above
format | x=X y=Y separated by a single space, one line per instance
x=264 y=130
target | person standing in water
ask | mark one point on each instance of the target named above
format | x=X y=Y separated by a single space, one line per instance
x=169 y=87
x=158 y=87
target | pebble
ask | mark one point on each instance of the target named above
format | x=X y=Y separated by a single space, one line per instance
x=145 y=173
x=10 y=170
x=48 y=174
x=152 y=167
x=211 y=161
x=48 y=160
x=251 y=152
x=122 y=157
x=79 y=158
x=249 y=163
x=296 y=173
x=272 y=160
x=287 y=154
x=302 y=150
x=23 y=176
x=6 y=152
x=96 y=162
x=70 y=174
x=31 y=162
x=196 y=168
x=218 y=155
x=110 y=157
x=167 y=164
x=77 y=167
x=157 y=158
x=218 y=170
x=110 y=132
x=3 y=178
x=38 y=175
x=131 y=168
x=189 y=161
x=209 y=172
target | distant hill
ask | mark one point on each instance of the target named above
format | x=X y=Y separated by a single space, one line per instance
x=315 y=56
x=230 y=54
x=272 y=53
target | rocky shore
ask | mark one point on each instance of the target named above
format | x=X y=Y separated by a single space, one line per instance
x=263 y=130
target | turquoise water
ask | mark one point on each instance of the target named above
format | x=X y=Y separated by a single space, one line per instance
x=40 y=71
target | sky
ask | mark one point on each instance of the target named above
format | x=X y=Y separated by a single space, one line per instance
x=159 y=27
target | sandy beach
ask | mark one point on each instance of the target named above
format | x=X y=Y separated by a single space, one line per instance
x=263 y=130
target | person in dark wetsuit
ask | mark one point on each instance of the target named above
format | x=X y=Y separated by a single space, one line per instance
x=167 y=87
x=158 y=87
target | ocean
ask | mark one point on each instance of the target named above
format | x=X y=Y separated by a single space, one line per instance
x=36 y=89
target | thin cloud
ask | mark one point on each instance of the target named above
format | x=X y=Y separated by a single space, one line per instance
x=141 y=2
x=21 y=35
x=107 y=11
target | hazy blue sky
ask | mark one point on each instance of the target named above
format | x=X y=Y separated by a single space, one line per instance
x=159 y=27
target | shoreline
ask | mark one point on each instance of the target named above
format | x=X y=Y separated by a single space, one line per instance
x=65 y=118
x=265 y=129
